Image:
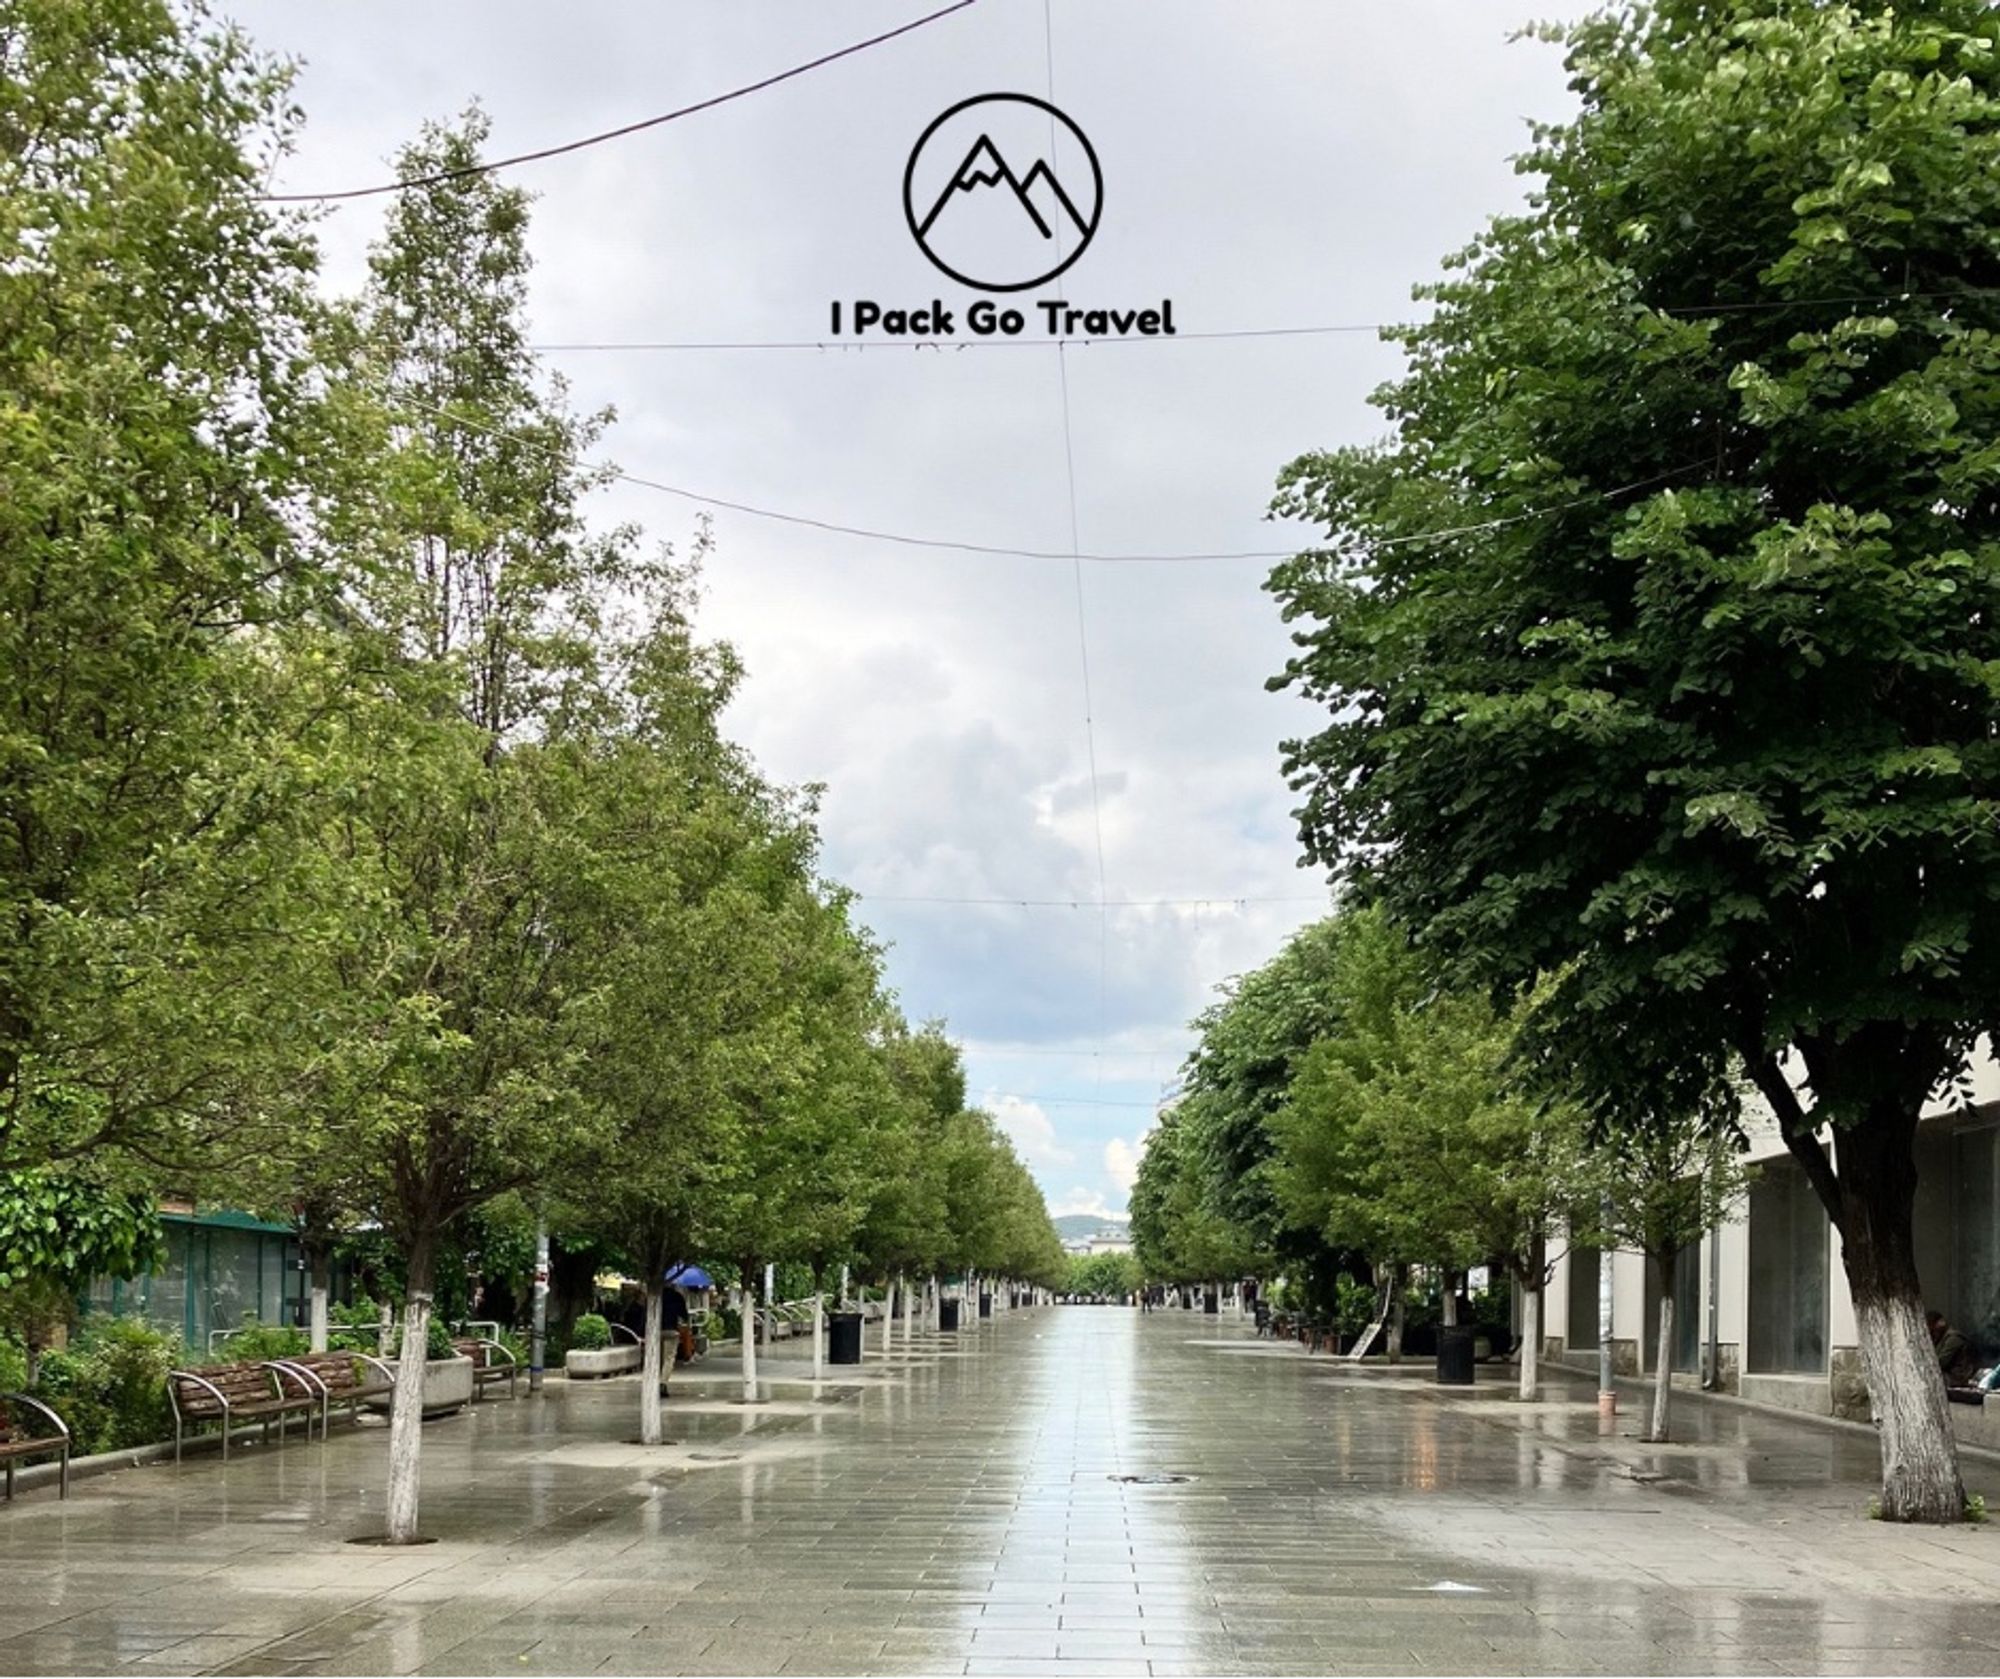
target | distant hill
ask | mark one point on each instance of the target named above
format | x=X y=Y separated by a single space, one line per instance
x=1073 y=1226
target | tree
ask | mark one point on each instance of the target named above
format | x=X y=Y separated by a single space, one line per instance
x=1247 y=1050
x=471 y=915
x=155 y=498
x=1659 y=640
x=58 y=1229
x=1113 y=1275
x=1177 y=1236
x=1658 y=1186
x=1411 y=1136
x=674 y=819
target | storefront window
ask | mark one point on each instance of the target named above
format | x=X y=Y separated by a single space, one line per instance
x=1787 y=1273
x=1975 y=1281
x=1583 y=1277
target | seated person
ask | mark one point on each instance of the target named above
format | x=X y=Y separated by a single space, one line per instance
x=1954 y=1352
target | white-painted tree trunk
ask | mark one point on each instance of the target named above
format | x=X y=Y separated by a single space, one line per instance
x=317 y=1321
x=1531 y=1342
x=406 y=1420
x=1920 y=1475
x=819 y=1335
x=749 y=1347
x=651 y=1430
x=1663 y=1364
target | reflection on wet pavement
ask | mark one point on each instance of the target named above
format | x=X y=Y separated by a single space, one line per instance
x=956 y=1509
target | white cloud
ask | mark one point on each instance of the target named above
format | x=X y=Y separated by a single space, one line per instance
x=1081 y=1200
x=1121 y=1160
x=1030 y=1129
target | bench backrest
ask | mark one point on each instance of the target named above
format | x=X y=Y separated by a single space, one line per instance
x=240 y=1384
x=25 y=1424
x=339 y=1373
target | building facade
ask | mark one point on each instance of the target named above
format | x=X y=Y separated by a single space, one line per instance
x=1764 y=1298
x=218 y=1270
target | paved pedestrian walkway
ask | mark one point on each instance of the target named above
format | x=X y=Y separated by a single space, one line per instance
x=957 y=1509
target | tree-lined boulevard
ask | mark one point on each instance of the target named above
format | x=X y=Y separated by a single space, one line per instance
x=380 y=873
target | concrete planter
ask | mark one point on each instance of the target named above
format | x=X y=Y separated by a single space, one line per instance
x=602 y=1361
x=447 y=1387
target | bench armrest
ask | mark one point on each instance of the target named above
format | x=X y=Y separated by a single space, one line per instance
x=176 y=1377
x=34 y=1404
x=497 y=1348
x=618 y=1329
x=309 y=1380
x=382 y=1366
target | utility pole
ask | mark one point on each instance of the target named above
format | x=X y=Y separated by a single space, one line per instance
x=1607 y=1395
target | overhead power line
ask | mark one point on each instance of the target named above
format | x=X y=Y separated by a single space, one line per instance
x=709 y=104
x=903 y=539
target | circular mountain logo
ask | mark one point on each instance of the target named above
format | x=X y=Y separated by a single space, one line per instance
x=1003 y=192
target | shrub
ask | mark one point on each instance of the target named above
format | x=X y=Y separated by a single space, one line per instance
x=110 y=1386
x=591 y=1333
x=1354 y=1304
x=437 y=1342
x=13 y=1363
x=257 y=1341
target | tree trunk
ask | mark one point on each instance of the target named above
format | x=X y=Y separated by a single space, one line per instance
x=1450 y=1309
x=1663 y=1349
x=749 y=1315
x=406 y=1409
x=319 y=1264
x=1533 y=1285
x=1395 y=1348
x=1878 y=1186
x=651 y=1432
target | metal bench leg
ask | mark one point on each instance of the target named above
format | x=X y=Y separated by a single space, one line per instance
x=10 y=1480
x=62 y=1475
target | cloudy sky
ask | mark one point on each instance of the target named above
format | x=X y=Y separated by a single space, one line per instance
x=1282 y=163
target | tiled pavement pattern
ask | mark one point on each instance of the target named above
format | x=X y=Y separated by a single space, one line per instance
x=951 y=1511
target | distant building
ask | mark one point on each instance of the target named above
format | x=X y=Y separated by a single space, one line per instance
x=1110 y=1239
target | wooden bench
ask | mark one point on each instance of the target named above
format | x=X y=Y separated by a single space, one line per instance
x=343 y=1378
x=262 y=1391
x=28 y=1428
x=491 y=1363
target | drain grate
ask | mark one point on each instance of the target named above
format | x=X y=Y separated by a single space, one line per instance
x=1155 y=1480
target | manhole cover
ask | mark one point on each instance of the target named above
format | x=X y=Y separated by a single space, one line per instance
x=1150 y=1480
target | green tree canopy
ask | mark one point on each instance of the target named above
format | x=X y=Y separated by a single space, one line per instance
x=1658 y=642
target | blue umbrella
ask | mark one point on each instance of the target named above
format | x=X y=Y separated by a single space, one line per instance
x=689 y=1276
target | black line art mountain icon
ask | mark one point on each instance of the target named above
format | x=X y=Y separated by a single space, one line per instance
x=984 y=168
x=1023 y=201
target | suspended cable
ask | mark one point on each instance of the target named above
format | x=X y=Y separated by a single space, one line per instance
x=902 y=539
x=709 y=104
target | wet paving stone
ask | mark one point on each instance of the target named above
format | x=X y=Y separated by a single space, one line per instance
x=959 y=1510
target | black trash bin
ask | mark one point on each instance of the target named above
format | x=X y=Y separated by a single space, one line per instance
x=1210 y=1305
x=985 y=1304
x=844 y=1338
x=947 y=1315
x=1455 y=1357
